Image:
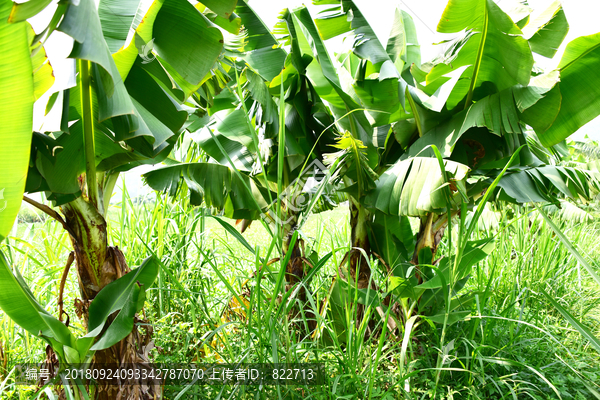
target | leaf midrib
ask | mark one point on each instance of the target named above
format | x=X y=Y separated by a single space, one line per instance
x=478 y=61
x=585 y=53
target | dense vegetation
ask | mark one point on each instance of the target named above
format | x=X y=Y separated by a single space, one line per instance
x=422 y=229
x=514 y=333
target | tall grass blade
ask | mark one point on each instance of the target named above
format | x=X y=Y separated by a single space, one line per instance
x=568 y=245
x=234 y=233
x=585 y=332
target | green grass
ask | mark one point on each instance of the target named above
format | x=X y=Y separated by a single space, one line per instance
x=515 y=344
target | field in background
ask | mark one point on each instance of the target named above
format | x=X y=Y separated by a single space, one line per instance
x=515 y=345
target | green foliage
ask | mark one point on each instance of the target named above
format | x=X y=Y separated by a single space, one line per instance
x=510 y=329
x=414 y=187
x=579 y=98
x=19 y=303
x=239 y=115
x=17 y=97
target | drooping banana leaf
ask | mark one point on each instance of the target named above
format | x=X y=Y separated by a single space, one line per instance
x=547 y=31
x=140 y=34
x=17 y=91
x=145 y=110
x=261 y=50
x=414 y=187
x=17 y=301
x=544 y=184
x=116 y=17
x=579 y=90
x=184 y=39
x=499 y=55
x=214 y=184
x=500 y=113
x=26 y=10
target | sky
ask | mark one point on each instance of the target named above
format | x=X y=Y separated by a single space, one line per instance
x=581 y=14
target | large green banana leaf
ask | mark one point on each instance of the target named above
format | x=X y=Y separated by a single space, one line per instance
x=214 y=184
x=544 y=184
x=16 y=114
x=261 y=50
x=579 y=89
x=415 y=187
x=185 y=39
x=547 y=31
x=500 y=57
x=115 y=17
x=491 y=54
x=26 y=10
x=500 y=113
x=17 y=301
x=175 y=30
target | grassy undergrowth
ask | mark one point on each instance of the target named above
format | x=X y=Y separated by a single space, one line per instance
x=513 y=345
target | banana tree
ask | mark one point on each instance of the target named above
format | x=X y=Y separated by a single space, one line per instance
x=365 y=91
x=138 y=68
x=266 y=135
x=472 y=103
x=487 y=85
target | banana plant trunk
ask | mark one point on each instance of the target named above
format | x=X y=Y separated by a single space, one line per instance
x=359 y=254
x=431 y=231
x=97 y=265
x=295 y=268
x=90 y=245
x=359 y=228
x=295 y=271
